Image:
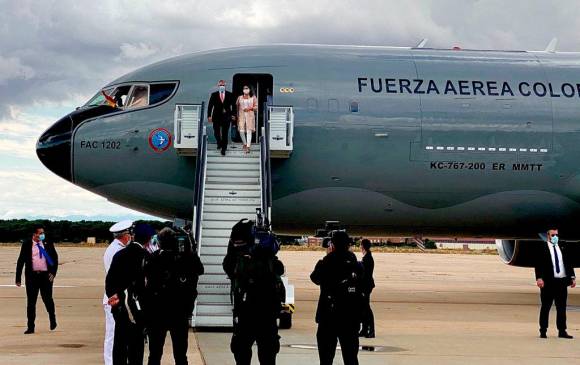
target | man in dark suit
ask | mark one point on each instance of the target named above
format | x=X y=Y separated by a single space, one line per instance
x=221 y=111
x=368 y=319
x=554 y=273
x=40 y=262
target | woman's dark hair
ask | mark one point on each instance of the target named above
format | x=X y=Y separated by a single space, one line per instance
x=366 y=244
x=167 y=239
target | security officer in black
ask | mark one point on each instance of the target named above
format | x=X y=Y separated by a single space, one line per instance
x=124 y=286
x=170 y=292
x=257 y=296
x=339 y=276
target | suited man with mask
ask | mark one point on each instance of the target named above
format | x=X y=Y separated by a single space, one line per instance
x=221 y=112
x=554 y=274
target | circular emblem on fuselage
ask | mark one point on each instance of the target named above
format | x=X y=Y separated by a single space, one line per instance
x=160 y=139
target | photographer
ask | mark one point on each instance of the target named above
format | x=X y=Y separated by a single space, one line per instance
x=339 y=276
x=170 y=291
x=257 y=291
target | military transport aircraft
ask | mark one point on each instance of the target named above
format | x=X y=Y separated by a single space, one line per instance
x=402 y=141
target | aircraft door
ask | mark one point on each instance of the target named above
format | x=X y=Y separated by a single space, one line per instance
x=261 y=86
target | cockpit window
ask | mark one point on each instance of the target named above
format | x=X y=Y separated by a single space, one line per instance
x=131 y=96
x=120 y=95
x=99 y=98
x=139 y=97
x=160 y=92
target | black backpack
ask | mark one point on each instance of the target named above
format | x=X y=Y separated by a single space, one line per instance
x=346 y=291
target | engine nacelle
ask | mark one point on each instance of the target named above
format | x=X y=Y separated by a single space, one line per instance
x=524 y=253
x=518 y=253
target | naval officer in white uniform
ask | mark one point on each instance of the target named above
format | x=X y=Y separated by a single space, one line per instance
x=122 y=233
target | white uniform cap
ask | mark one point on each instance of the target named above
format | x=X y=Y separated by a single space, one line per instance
x=121 y=226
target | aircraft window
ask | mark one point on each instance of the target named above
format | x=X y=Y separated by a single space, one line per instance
x=333 y=105
x=312 y=104
x=160 y=92
x=354 y=106
x=99 y=98
x=120 y=95
x=139 y=97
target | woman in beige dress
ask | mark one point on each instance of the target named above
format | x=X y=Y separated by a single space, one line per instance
x=247 y=106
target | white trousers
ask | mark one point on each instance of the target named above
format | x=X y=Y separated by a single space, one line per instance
x=109 y=335
x=246 y=140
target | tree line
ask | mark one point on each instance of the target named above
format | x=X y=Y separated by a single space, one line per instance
x=15 y=230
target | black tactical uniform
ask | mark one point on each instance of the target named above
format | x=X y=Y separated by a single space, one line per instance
x=338 y=312
x=257 y=297
x=170 y=292
x=126 y=279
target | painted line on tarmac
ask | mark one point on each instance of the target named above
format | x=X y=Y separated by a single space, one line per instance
x=54 y=286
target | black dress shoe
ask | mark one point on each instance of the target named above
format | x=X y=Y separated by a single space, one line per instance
x=370 y=335
x=53 y=325
x=29 y=331
x=564 y=334
x=543 y=335
x=223 y=152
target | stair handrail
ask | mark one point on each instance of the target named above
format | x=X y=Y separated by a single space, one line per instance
x=266 y=169
x=199 y=176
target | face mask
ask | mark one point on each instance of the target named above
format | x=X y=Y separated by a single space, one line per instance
x=222 y=89
x=555 y=240
x=41 y=237
x=246 y=91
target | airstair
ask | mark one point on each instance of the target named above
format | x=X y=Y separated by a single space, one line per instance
x=227 y=188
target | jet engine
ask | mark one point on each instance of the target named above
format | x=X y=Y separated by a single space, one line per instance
x=523 y=253
x=520 y=253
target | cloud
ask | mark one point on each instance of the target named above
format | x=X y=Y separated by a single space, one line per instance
x=136 y=51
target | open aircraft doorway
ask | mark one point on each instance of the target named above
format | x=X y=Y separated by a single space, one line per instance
x=261 y=86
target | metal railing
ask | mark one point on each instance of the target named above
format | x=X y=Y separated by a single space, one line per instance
x=266 y=167
x=200 y=167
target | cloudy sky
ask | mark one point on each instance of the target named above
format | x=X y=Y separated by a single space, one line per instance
x=54 y=55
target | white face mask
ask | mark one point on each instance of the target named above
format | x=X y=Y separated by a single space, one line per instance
x=222 y=89
x=246 y=91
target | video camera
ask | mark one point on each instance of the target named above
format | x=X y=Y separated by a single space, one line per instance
x=326 y=233
x=263 y=235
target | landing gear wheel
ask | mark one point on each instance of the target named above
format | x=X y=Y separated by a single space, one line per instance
x=285 y=321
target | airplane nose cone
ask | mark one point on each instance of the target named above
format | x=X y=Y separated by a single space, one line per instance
x=54 y=148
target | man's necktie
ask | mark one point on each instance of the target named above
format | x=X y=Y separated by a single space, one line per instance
x=556 y=260
x=42 y=252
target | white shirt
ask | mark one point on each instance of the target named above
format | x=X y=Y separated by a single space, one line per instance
x=113 y=248
x=562 y=273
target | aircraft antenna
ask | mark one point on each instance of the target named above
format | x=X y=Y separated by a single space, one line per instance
x=422 y=43
x=551 y=48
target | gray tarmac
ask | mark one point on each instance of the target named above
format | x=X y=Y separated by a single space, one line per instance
x=429 y=309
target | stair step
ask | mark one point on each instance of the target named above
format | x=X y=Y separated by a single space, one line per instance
x=237 y=209
x=213 y=250
x=214 y=309
x=233 y=167
x=233 y=193
x=232 y=180
x=209 y=216
x=214 y=298
x=230 y=187
x=214 y=241
x=215 y=232
x=232 y=200
x=214 y=269
x=213 y=321
x=233 y=173
x=216 y=288
x=211 y=260
x=250 y=160
x=224 y=225
x=214 y=280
